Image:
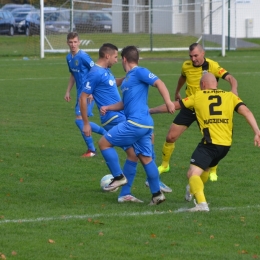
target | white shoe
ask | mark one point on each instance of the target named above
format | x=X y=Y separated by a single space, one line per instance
x=116 y=183
x=188 y=196
x=157 y=199
x=203 y=206
x=163 y=187
x=129 y=198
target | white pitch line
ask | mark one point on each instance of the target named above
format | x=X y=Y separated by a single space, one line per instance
x=124 y=214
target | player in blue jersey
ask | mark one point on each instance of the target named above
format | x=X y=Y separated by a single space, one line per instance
x=137 y=130
x=102 y=85
x=79 y=64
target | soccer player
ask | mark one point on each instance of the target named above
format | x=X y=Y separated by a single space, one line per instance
x=214 y=110
x=191 y=73
x=137 y=130
x=102 y=85
x=79 y=64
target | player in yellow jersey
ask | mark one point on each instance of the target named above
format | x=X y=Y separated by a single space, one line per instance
x=191 y=73
x=214 y=109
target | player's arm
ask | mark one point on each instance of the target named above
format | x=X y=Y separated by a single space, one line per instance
x=159 y=84
x=119 y=81
x=181 y=82
x=163 y=108
x=83 y=102
x=244 y=111
x=70 y=86
x=114 y=107
x=233 y=83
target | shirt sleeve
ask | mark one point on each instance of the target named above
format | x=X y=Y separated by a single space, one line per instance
x=146 y=76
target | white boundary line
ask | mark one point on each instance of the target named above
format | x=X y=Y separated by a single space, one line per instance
x=124 y=214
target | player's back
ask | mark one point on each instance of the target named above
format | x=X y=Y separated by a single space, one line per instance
x=214 y=110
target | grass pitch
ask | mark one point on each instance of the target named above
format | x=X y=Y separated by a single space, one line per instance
x=51 y=205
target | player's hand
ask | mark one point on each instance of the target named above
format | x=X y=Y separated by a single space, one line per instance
x=103 y=110
x=170 y=107
x=87 y=130
x=257 y=140
x=67 y=97
x=177 y=96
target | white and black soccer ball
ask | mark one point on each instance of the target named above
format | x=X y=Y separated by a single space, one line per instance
x=106 y=180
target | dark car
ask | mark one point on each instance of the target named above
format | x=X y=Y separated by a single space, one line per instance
x=11 y=7
x=7 y=23
x=56 y=20
x=19 y=15
x=92 y=21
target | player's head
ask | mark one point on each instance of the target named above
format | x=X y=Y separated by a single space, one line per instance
x=196 y=53
x=109 y=53
x=73 y=42
x=130 y=55
x=208 y=81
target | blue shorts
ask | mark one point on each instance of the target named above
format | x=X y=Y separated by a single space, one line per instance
x=126 y=134
x=90 y=107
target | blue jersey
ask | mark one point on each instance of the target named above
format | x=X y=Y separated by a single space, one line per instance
x=79 y=66
x=135 y=89
x=101 y=83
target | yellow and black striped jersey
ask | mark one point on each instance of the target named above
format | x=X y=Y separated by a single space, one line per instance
x=193 y=74
x=214 y=110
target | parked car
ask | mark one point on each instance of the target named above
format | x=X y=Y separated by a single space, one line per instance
x=19 y=15
x=11 y=7
x=7 y=23
x=57 y=20
x=92 y=21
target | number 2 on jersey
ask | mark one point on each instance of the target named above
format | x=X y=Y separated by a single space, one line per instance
x=214 y=105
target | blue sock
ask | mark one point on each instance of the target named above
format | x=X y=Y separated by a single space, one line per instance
x=153 y=155
x=111 y=157
x=129 y=171
x=97 y=129
x=88 y=139
x=152 y=176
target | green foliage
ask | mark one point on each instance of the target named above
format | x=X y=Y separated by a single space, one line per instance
x=51 y=205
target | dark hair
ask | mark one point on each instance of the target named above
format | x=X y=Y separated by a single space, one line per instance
x=194 y=45
x=105 y=48
x=131 y=53
x=72 y=35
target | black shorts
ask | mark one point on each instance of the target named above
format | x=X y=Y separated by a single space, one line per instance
x=208 y=155
x=185 y=117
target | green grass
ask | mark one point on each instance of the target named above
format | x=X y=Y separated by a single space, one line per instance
x=49 y=194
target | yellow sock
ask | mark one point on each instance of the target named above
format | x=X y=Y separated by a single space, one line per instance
x=166 y=153
x=204 y=176
x=197 y=188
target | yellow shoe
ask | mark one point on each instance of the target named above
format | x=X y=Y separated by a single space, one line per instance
x=213 y=176
x=162 y=169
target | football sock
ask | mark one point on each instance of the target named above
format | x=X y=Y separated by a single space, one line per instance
x=111 y=157
x=167 y=151
x=204 y=176
x=152 y=176
x=129 y=171
x=97 y=129
x=88 y=139
x=197 y=188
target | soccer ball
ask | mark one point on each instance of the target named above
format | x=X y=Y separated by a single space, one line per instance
x=106 y=180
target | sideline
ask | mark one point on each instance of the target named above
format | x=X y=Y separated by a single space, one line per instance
x=123 y=214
